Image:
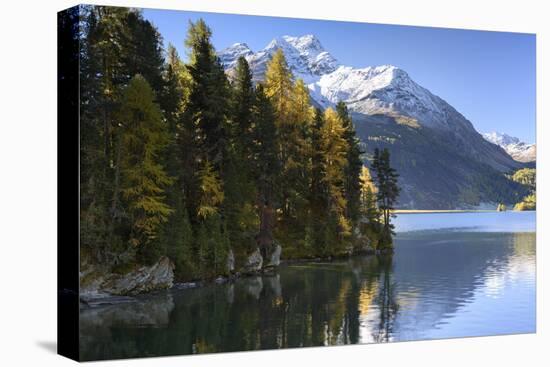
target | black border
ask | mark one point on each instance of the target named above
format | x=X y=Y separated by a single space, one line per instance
x=68 y=180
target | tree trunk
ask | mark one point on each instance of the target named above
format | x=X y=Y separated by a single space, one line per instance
x=116 y=190
x=264 y=238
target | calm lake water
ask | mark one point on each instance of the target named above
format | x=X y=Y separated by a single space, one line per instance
x=452 y=275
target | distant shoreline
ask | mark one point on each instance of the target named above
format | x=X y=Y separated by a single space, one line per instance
x=428 y=211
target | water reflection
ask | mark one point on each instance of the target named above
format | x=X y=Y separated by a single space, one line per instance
x=436 y=284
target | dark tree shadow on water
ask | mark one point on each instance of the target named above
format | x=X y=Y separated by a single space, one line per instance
x=48 y=345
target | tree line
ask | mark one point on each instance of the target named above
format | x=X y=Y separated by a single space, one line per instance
x=179 y=160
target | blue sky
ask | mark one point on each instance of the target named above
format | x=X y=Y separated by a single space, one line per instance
x=487 y=76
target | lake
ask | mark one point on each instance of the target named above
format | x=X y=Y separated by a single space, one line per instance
x=452 y=275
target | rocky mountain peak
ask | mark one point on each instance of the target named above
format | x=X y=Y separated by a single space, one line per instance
x=517 y=149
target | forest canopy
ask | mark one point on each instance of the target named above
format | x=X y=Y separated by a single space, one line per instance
x=179 y=160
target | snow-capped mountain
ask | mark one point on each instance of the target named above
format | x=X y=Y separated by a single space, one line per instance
x=230 y=55
x=442 y=160
x=520 y=151
x=369 y=90
x=305 y=55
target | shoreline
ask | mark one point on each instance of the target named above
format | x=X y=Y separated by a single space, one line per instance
x=451 y=211
x=104 y=299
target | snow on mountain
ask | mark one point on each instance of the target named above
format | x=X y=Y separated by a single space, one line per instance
x=230 y=55
x=436 y=150
x=377 y=93
x=383 y=89
x=305 y=55
x=520 y=151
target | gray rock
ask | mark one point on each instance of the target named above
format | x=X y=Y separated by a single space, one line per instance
x=144 y=279
x=253 y=263
x=230 y=261
x=275 y=258
x=220 y=280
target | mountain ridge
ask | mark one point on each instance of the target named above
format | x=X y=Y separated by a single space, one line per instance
x=387 y=105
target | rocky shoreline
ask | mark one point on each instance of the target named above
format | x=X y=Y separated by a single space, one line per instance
x=100 y=288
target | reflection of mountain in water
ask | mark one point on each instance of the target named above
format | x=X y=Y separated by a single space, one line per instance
x=430 y=279
x=438 y=277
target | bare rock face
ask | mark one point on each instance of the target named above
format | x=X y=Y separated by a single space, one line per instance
x=144 y=279
x=253 y=263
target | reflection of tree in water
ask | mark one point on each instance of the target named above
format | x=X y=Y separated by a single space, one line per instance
x=386 y=301
x=303 y=305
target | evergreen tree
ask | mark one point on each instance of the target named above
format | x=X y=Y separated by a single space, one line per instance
x=388 y=191
x=213 y=247
x=144 y=54
x=318 y=189
x=176 y=236
x=203 y=141
x=353 y=169
x=103 y=76
x=243 y=101
x=266 y=170
x=240 y=189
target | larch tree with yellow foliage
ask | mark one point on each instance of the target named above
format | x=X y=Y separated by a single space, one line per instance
x=143 y=179
x=293 y=118
x=334 y=149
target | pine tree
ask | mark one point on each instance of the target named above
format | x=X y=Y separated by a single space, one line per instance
x=176 y=236
x=267 y=168
x=239 y=205
x=388 y=191
x=203 y=140
x=144 y=54
x=102 y=77
x=353 y=169
x=243 y=101
x=143 y=179
x=213 y=247
x=177 y=240
x=175 y=91
x=318 y=197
